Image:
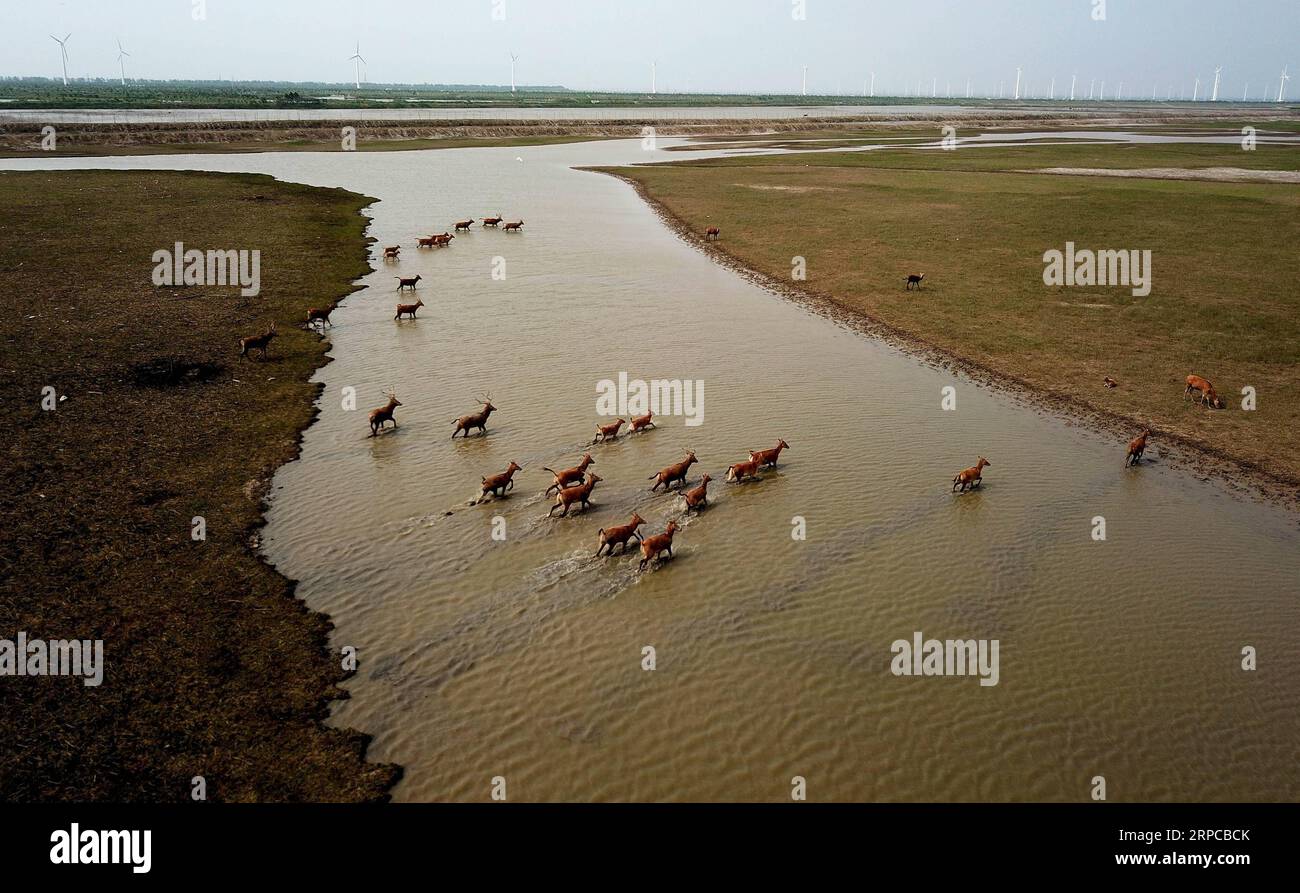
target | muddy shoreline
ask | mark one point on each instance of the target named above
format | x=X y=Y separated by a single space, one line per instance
x=1200 y=459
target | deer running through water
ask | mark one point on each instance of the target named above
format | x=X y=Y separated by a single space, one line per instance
x=767 y=458
x=319 y=315
x=407 y=283
x=698 y=498
x=651 y=546
x=737 y=473
x=408 y=309
x=580 y=494
x=620 y=536
x=674 y=472
x=608 y=432
x=971 y=477
x=476 y=420
x=642 y=423
x=1136 y=447
x=497 y=484
x=384 y=414
x=569 y=475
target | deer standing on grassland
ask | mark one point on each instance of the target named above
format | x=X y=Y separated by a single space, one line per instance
x=569 y=475
x=1205 y=391
x=674 y=472
x=383 y=414
x=497 y=484
x=580 y=494
x=257 y=342
x=712 y=232
x=971 y=476
x=651 y=546
x=914 y=279
x=476 y=420
x=316 y=314
x=620 y=536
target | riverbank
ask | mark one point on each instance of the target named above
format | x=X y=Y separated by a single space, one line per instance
x=212 y=667
x=978 y=222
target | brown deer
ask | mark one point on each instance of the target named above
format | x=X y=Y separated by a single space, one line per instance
x=580 y=494
x=318 y=315
x=1110 y=382
x=1136 y=447
x=392 y=251
x=257 y=342
x=608 y=432
x=514 y=227
x=463 y=225
x=767 y=458
x=493 y=221
x=498 y=484
x=620 y=536
x=741 y=470
x=404 y=309
x=384 y=414
x=914 y=279
x=971 y=476
x=712 y=232
x=699 y=497
x=427 y=242
x=443 y=240
x=675 y=472
x=641 y=423
x=651 y=546
x=569 y=475
x=1205 y=391
x=407 y=283
x=477 y=420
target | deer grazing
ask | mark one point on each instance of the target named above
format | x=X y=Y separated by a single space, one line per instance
x=712 y=232
x=403 y=282
x=498 y=484
x=914 y=279
x=651 y=546
x=384 y=414
x=514 y=226
x=318 y=315
x=608 y=432
x=477 y=420
x=257 y=342
x=569 y=475
x=463 y=225
x=767 y=458
x=675 y=472
x=1136 y=447
x=741 y=470
x=392 y=251
x=641 y=423
x=408 y=309
x=620 y=536
x=698 y=498
x=1205 y=392
x=580 y=494
x=493 y=221
x=971 y=476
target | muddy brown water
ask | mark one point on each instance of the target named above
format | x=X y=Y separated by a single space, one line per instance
x=523 y=658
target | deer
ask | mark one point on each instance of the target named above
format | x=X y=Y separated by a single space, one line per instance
x=493 y=221
x=767 y=458
x=675 y=472
x=1205 y=391
x=404 y=309
x=641 y=423
x=443 y=240
x=651 y=546
x=699 y=497
x=971 y=476
x=1136 y=447
x=514 y=227
x=318 y=315
x=737 y=473
x=914 y=279
x=477 y=420
x=427 y=242
x=608 y=432
x=498 y=484
x=464 y=225
x=580 y=494
x=712 y=232
x=407 y=283
x=569 y=475
x=384 y=414
x=620 y=536
x=257 y=342
x=1110 y=382
x=392 y=251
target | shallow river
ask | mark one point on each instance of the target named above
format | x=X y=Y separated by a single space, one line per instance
x=523 y=657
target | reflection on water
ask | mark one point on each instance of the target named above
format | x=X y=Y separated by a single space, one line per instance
x=523 y=657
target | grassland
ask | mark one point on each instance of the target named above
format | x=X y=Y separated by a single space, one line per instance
x=213 y=668
x=1224 y=302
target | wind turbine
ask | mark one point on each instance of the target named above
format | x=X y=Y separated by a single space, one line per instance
x=805 y=80
x=1017 y=96
x=1073 y=78
x=1196 y=88
x=1120 y=94
x=356 y=59
x=1281 y=87
x=1101 y=97
x=934 y=88
x=968 y=88
x=654 y=77
x=873 y=83
x=121 y=65
x=1091 y=84
x=1214 y=96
x=1051 y=92
x=1244 y=90
x=63 y=52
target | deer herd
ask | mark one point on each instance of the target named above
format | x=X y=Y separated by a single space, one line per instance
x=573 y=487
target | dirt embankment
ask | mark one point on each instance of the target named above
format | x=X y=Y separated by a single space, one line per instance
x=211 y=667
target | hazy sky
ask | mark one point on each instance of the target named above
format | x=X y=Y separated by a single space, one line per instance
x=699 y=45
